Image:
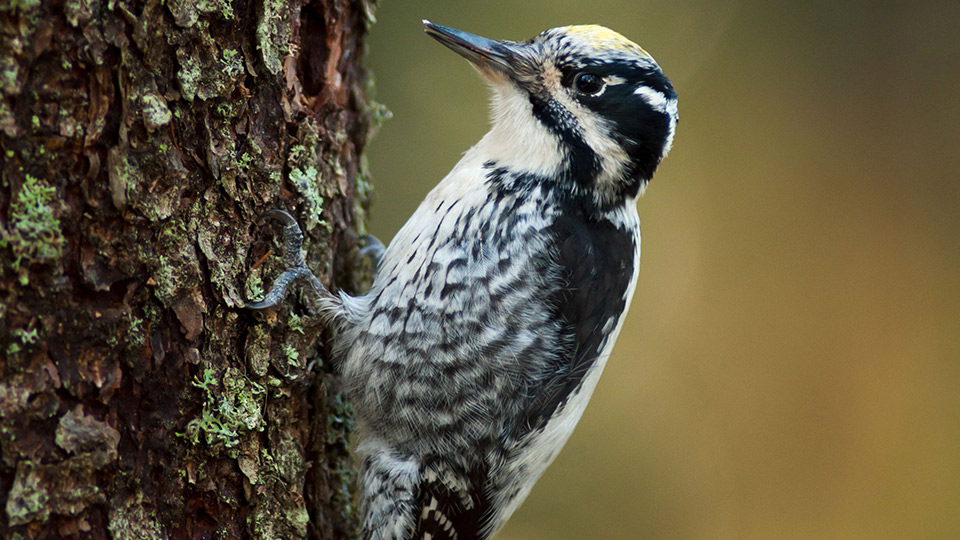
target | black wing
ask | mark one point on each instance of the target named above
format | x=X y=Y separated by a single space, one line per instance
x=596 y=263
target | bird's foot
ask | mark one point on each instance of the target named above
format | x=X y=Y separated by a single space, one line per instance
x=293 y=260
x=372 y=249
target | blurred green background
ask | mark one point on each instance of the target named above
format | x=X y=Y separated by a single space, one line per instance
x=790 y=368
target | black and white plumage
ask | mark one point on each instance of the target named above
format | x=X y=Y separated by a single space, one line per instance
x=495 y=308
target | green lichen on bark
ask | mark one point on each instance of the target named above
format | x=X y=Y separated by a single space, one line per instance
x=129 y=519
x=34 y=235
x=42 y=490
x=154 y=109
x=139 y=142
x=273 y=33
x=188 y=12
x=304 y=162
x=28 y=498
x=228 y=411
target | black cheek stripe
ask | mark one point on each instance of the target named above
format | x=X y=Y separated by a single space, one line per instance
x=583 y=163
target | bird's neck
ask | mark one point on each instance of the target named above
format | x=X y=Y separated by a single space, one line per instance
x=558 y=190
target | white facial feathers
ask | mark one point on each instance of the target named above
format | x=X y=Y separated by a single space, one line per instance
x=517 y=139
x=660 y=103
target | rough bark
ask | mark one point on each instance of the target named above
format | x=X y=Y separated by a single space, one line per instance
x=141 y=140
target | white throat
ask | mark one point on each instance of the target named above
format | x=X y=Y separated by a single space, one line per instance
x=518 y=140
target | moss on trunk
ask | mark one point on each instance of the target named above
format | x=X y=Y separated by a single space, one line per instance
x=139 y=142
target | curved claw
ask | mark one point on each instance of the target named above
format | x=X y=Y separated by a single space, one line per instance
x=373 y=249
x=328 y=305
x=292 y=237
x=279 y=215
x=293 y=259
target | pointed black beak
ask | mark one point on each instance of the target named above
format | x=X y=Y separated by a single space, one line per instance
x=486 y=54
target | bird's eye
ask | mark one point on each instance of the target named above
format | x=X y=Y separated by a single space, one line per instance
x=588 y=83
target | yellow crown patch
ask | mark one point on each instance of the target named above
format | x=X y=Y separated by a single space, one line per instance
x=603 y=38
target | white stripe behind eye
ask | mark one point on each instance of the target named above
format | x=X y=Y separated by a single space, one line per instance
x=655 y=98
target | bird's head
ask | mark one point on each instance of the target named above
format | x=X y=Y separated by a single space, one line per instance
x=579 y=104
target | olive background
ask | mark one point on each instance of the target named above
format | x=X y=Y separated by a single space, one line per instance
x=790 y=367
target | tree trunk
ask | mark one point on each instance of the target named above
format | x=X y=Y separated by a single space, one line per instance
x=141 y=140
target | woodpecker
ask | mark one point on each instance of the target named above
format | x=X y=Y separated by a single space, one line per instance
x=494 y=309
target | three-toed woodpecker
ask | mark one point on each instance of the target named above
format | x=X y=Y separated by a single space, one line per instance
x=496 y=306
